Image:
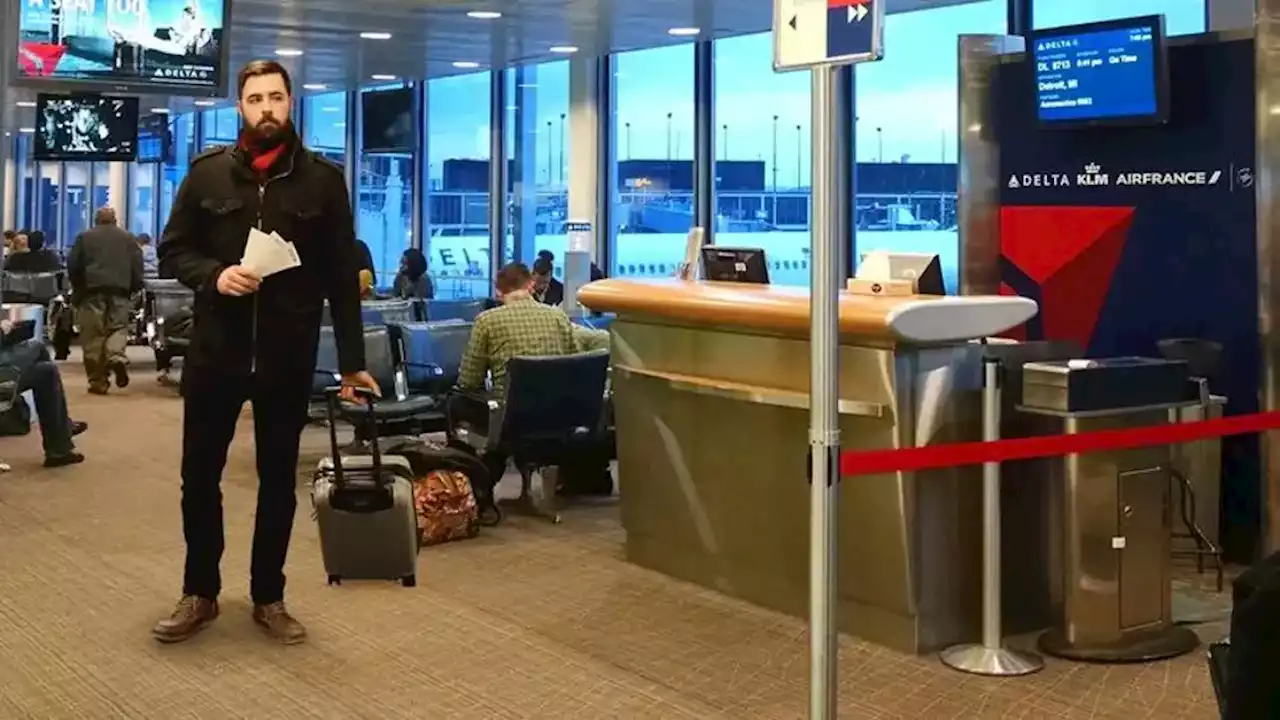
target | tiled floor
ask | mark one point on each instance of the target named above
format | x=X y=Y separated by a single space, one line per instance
x=529 y=621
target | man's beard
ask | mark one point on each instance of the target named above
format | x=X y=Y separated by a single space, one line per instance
x=269 y=133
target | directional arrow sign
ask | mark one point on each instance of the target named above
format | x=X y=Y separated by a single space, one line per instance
x=808 y=33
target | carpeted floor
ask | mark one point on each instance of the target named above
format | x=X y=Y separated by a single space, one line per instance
x=530 y=621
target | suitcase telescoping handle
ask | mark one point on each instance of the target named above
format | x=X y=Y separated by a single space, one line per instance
x=331 y=404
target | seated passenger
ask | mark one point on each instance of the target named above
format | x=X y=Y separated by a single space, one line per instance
x=413 y=282
x=596 y=272
x=39 y=374
x=366 y=285
x=36 y=259
x=150 y=263
x=519 y=327
x=364 y=259
x=546 y=289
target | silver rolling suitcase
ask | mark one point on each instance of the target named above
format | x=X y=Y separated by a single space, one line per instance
x=364 y=507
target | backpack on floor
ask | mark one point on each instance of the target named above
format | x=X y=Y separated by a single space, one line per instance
x=451 y=488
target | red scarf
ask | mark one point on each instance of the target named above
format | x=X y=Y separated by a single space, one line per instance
x=262 y=160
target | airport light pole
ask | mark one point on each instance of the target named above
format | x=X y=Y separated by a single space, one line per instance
x=669 y=157
x=799 y=166
x=562 y=138
x=774 y=164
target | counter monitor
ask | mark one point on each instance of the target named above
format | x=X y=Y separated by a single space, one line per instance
x=735 y=264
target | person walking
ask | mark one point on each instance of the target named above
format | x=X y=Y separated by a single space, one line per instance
x=254 y=339
x=105 y=270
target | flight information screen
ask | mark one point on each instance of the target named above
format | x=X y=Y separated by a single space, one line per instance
x=1100 y=74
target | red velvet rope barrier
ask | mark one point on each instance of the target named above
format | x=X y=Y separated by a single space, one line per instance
x=974 y=453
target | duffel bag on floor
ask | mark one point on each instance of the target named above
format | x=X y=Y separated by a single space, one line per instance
x=462 y=488
x=446 y=507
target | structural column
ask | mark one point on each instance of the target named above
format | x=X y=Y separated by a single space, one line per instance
x=1230 y=14
x=8 y=50
x=583 y=177
x=1267 y=96
x=118 y=190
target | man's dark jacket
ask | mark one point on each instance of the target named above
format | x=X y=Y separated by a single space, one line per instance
x=275 y=331
x=105 y=260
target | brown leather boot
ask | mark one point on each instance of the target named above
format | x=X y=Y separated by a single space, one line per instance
x=190 y=617
x=279 y=624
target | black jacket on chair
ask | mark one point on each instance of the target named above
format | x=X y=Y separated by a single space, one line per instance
x=275 y=331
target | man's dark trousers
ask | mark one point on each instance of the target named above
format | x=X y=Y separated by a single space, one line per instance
x=212 y=404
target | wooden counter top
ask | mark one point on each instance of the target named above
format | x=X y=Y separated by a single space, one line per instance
x=775 y=308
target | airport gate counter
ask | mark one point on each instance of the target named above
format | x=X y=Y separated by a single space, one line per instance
x=711 y=388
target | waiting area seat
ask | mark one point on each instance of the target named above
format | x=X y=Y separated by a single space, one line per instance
x=399 y=411
x=465 y=310
x=41 y=288
x=167 y=308
x=432 y=353
x=552 y=411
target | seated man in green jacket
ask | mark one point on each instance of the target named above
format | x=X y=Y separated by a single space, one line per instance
x=519 y=327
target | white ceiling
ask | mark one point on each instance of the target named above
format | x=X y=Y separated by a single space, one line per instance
x=428 y=36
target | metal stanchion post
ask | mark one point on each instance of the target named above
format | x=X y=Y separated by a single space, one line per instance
x=824 y=428
x=991 y=657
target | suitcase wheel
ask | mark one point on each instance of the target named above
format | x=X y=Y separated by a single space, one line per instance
x=409 y=580
x=335 y=580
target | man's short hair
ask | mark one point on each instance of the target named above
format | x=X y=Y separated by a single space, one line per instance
x=35 y=240
x=261 y=68
x=105 y=216
x=512 y=277
x=542 y=266
x=546 y=255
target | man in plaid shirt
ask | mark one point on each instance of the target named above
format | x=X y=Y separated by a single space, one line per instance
x=520 y=326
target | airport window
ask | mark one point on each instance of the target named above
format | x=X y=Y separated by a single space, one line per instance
x=1181 y=17
x=220 y=127
x=652 y=172
x=384 y=189
x=325 y=125
x=26 y=215
x=906 y=136
x=535 y=137
x=457 y=197
x=174 y=170
x=76 y=198
x=762 y=156
x=49 y=197
x=142 y=190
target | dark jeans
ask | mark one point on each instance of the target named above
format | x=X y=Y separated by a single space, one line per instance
x=212 y=401
x=40 y=375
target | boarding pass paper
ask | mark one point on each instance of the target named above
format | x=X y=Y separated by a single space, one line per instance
x=267 y=254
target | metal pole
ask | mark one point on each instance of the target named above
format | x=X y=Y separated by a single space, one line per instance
x=990 y=657
x=824 y=430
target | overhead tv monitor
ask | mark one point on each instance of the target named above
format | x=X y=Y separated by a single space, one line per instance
x=386 y=120
x=86 y=127
x=1106 y=73
x=169 y=46
x=735 y=264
